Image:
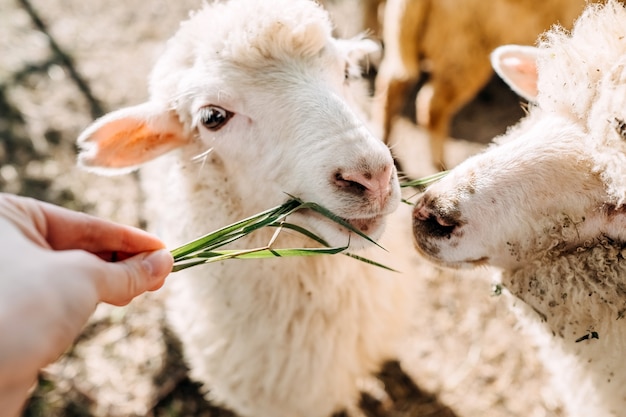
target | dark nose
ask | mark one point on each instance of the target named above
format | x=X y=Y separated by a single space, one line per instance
x=430 y=219
x=372 y=183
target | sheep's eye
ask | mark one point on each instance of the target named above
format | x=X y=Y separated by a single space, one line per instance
x=213 y=117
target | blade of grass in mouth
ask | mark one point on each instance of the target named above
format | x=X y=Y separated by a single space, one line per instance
x=205 y=249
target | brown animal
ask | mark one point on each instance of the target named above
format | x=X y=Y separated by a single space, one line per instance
x=455 y=38
x=356 y=16
x=371 y=15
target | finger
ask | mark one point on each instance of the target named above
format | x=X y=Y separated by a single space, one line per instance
x=67 y=229
x=48 y=225
x=120 y=282
x=114 y=256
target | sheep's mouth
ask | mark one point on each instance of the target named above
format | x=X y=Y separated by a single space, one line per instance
x=482 y=261
x=432 y=251
x=366 y=225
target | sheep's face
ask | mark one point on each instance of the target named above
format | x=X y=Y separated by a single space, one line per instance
x=542 y=189
x=531 y=193
x=270 y=98
x=291 y=131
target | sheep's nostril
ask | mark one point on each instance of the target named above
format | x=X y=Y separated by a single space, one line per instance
x=438 y=228
x=347 y=183
x=431 y=224
x=374 y=184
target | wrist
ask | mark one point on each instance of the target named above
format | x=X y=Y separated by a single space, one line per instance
x=13 y=396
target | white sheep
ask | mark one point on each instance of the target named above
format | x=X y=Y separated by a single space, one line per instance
x=251 y=101
x=547 y=205
x=451 y=40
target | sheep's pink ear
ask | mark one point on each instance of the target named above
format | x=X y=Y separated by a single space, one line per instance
x=122 y=140
x=517 y=66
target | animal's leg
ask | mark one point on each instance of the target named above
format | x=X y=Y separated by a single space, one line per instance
x=391 y=95
x=400 y=68
x=439 y=100
x=371 y=19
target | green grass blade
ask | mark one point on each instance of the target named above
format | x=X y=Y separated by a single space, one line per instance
x=208 y=246
x=302 y=231
x=264 y=253
x=328 y=214
x=236 y=230
x=424 y=182
x=369 y=261
x=205 y=248
x=179 y=266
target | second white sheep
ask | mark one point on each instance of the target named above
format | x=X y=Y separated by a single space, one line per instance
x=547 y=205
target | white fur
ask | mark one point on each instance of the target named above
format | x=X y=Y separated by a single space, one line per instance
x=547 y=204
x=277 y=337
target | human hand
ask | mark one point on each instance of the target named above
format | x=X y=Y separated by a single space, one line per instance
x=56 y=268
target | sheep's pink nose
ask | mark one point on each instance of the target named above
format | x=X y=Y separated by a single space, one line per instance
x=375 y=184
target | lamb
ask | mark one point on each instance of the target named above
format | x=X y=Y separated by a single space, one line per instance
x=251 y=102
x=546 y=204
x=451 y=41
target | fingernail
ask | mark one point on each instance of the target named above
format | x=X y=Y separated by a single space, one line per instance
x=158 y=264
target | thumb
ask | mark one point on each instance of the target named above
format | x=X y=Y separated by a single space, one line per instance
x=123 y=281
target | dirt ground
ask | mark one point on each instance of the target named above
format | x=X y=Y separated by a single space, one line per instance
x=65 y=62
